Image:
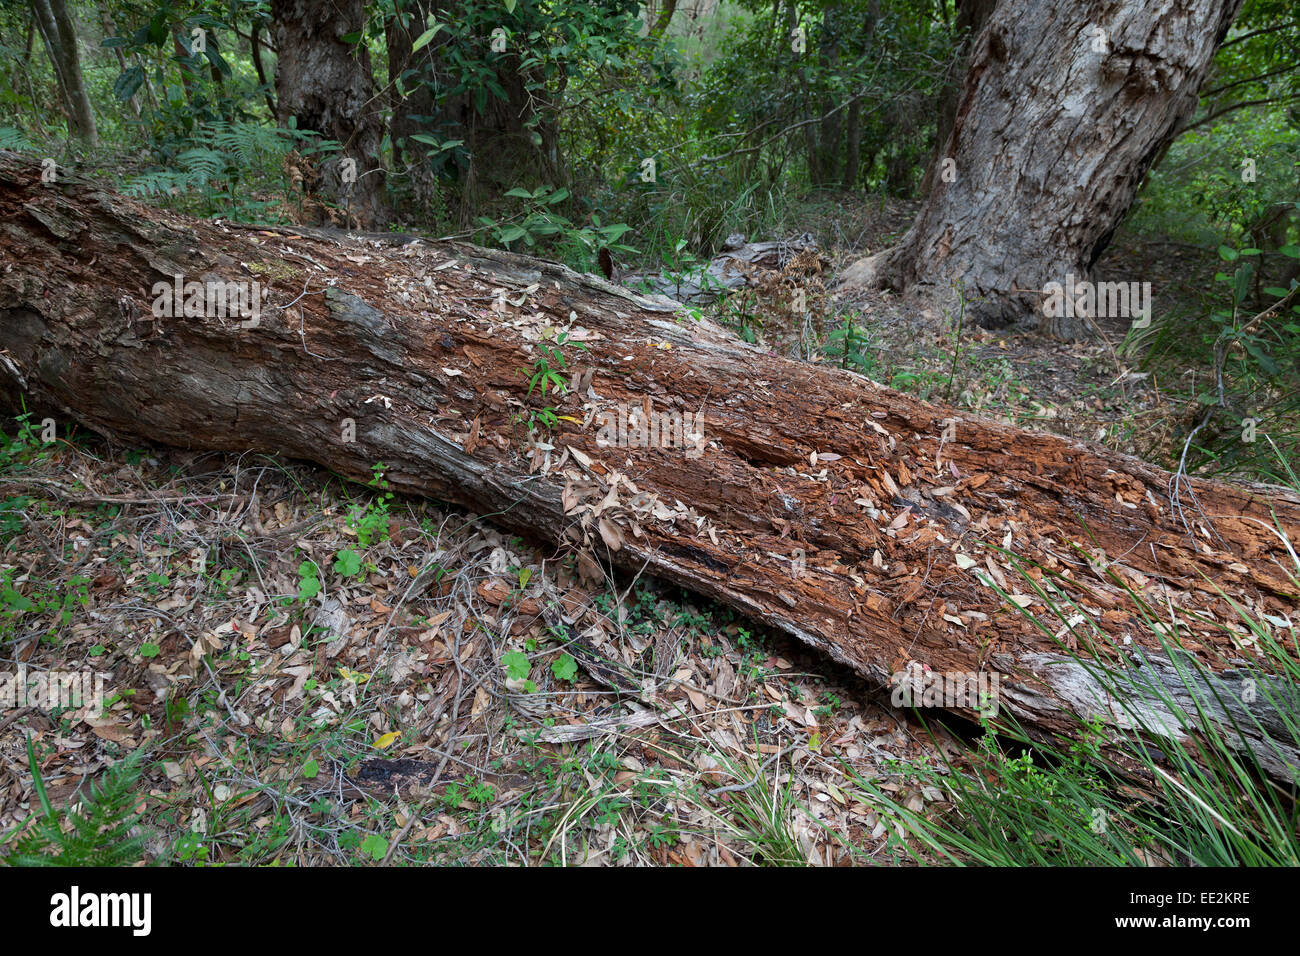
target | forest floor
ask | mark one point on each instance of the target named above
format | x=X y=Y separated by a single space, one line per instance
x=309 y=694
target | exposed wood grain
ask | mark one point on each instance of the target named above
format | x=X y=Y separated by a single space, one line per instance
x=864 y=522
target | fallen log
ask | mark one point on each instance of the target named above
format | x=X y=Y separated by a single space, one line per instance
x=873 y=526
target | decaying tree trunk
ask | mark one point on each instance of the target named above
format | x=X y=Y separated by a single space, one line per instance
x=862 y=521
x=1066 y=105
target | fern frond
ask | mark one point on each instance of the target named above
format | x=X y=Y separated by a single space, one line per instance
x=97 y=833
x=157 y=182
x=251 y=143
x=16 y=140
x=203 y=164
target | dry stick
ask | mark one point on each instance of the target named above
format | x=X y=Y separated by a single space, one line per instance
x=40 y=539
x=66 y=494
x=737 y=787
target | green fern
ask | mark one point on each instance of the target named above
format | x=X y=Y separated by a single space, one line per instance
x=158 y=182
x=203 y=165
x=252 y=143
x=15 y=139
x=97 y=834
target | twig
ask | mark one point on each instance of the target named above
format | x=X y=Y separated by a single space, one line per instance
x=738 y=787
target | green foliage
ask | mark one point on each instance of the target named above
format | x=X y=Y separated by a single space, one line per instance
x=517 y=665
x=15 y=140
x=370 y=520
x=849 y=346
x=547 y=374
x=1220 y=180
x=225 y=168
x=548 y=44
x=540 y=221
x=374 y=847
x=1244 y=405
x=102 y=830
x=347 y=563
x=564 y=667
x=24 y=446
x=57 y=604
x=308 y=581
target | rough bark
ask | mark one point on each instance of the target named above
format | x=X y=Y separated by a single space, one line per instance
x=1051 y=140
x=971 y=17
x=862 y=521
x=60 y=35
x=326 y=84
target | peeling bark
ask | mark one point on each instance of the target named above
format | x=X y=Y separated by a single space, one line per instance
x=1065 y=108
x=862 y=521
x=325 y=85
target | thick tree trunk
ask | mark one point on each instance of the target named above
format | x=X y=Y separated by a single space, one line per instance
x=971 y=17
x=860 y=520
x=1066 y=106
x=325 y=83
x=60 y=35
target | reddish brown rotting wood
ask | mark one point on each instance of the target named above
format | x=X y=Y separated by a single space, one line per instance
x=867 y=523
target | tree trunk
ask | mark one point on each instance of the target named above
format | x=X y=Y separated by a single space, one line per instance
x=664 y=18
x=255 y=53
x=971 y=17
x=824 y=136
x=852 y=144
x=862 y=521
x=60 y=36
x=326 y=84
x=1066 y=106
x=499 y=141
x=411 y=111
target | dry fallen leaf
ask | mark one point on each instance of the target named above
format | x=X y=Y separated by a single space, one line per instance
x=611 y=534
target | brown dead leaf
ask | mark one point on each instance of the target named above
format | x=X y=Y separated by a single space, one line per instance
x=611 y=534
